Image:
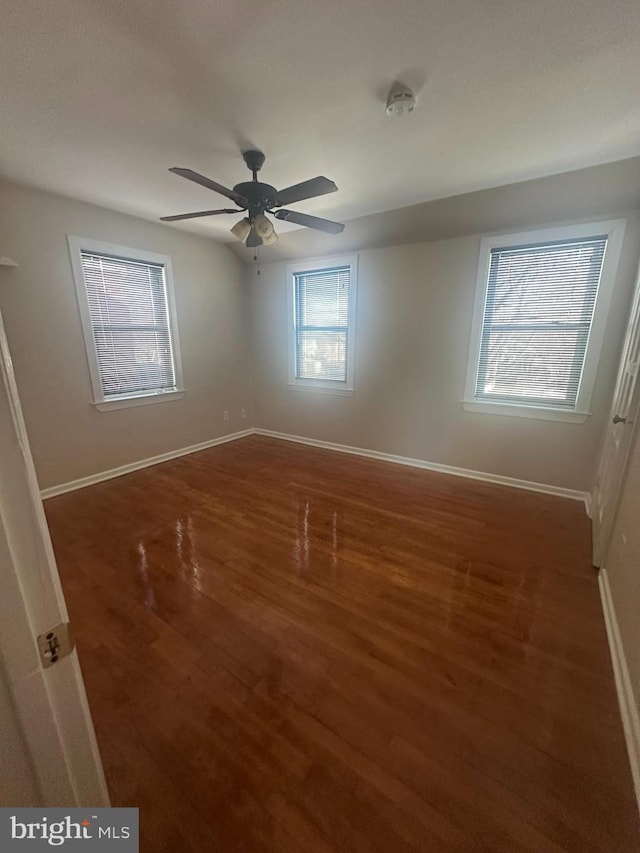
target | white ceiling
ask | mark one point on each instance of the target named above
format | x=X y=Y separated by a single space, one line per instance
x=99 y=97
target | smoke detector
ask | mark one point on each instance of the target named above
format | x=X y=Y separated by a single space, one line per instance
x=400 y=100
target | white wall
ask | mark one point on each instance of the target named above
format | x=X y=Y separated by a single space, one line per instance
x=413 y=322
x=414 y=311
x=69 y=437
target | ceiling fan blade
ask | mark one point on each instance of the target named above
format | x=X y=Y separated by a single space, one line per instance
x=179 y=216
x=190 y=175
x=310 y=221
x=254 y=239
x=307 y=189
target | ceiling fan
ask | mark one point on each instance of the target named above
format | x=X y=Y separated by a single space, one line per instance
x=256 y=199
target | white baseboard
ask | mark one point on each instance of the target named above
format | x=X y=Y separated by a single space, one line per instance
x=71 y=486
x=528 y=485
x=626 y=698
x=588 y=503
x=431 y=466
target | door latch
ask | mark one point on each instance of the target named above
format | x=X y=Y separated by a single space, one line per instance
x=55 y=644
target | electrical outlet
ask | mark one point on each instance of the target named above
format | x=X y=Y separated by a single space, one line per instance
x=225 y=415
x=243 y=413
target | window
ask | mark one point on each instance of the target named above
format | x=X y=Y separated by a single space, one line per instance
x=541 y=307
x=128 y=318
x=321 y=334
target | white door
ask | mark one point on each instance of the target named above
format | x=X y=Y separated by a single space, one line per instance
x=624 y=411
x=45 y=710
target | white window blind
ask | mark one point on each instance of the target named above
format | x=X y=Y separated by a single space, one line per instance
x=538 y=312
x=127 y=302
x=322 y=299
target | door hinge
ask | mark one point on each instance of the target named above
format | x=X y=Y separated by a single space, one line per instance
x=55 y=644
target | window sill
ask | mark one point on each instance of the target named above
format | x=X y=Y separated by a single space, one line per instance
x=139 y=400
x=543 y=413
x=320 y=389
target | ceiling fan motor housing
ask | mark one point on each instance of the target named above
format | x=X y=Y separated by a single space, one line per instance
x=259 y=196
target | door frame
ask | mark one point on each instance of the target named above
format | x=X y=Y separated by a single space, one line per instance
x=601 y=537
x=50 y=704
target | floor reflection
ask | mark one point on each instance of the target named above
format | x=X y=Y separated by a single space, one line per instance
x=143 y=571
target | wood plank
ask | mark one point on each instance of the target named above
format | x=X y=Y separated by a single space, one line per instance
x=289 y=649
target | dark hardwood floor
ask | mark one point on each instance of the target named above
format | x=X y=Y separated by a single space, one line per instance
x=288 y=649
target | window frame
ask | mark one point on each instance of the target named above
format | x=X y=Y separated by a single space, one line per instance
x=324 y=386
x=614 y=229
x=77 y=245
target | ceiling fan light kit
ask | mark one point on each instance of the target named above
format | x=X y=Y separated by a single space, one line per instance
x=241 y=229
x=265 y=230
x=256 y=198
